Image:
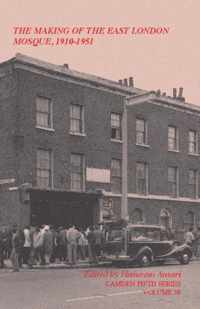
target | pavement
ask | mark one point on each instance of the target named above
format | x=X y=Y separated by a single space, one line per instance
x=58 y=265
x=63 y=265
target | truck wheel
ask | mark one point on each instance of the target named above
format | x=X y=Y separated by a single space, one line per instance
x=184 y=258
x=144 y=260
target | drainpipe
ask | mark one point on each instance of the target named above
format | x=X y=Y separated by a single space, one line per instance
x=128 y=101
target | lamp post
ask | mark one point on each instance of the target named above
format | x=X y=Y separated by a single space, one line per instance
x=124 y=201
x=129 y=101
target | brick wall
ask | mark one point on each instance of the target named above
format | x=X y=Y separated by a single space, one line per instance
x=96 y=145
x=12 y=209
x=8 y=98
x=157 y=155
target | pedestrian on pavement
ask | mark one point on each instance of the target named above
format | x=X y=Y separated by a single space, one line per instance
x=37 y=246
x=189 y=237
x=82 y=245
x=61 y=244
x=4 y=244
x=55 y=244
x=48 y=244
x=21 y=245
x=98 y=235
x=16 y=248
x=91 y=245
x=41 y=244
x=27 y=245
x=8 y=246
x=72 y=239
x=197 y=243
x=1 y=250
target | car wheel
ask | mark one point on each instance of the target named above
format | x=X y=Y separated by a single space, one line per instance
x=144 y=260
x=184 y=258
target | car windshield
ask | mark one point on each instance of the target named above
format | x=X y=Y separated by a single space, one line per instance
x=144 y=234
x=115 y=235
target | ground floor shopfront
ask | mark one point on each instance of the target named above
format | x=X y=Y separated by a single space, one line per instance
x=31 y=206
x=60 y=208
x=63 y=208
x=176 y=214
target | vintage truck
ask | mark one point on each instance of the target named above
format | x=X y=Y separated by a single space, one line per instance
x=142 y=244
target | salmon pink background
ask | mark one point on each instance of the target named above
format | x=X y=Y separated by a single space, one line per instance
x=155 y=62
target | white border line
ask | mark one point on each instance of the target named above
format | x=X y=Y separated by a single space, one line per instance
x=102 y=296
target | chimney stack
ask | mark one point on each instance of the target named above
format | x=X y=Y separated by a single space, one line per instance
x=131 y=82
x=126 y=82
x=174 y=92
x=66 y=65
x=158 y=92
x=180 y=93
x=121 y=82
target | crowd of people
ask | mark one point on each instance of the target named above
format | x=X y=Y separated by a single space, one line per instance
x=45 y=244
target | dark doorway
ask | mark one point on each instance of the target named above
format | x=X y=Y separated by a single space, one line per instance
x=63 y=208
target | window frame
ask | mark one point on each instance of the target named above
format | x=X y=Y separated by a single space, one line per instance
x=81 y=173
x=40 y=170
x=193 y=184
x=117 y=128
x=116 y=179
x=48 y=113
x=145 y=179
x=175 y=183
x=189 y=219
x=144 y=132
x=80 y=120
x=193 y=142
x=174 y=139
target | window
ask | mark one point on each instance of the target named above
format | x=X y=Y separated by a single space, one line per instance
x=116 y=176
x=77 y=172
x=141 y=132
x=173 y=139
x=44 y=168
x=76 y=119
x=189 y=220
x=192 y=182
x=193 y=142
x=141 y=178
x=173 y=181
x=116 y=126
x=43 y=112
x=166 y=218
x=137 y=216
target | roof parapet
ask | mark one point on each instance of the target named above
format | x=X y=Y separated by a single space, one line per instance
x=152 y=96
x=89 y=78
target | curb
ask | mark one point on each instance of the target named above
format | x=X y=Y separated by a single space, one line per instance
x=82 y=265
x=58 y=266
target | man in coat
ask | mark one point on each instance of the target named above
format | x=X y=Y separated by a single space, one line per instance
x=72 y=240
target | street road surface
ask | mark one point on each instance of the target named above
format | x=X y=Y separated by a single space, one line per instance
x=102 y=288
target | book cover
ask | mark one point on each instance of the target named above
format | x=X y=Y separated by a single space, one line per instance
x=99 y=155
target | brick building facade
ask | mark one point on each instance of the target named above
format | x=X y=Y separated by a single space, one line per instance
x=74 y=148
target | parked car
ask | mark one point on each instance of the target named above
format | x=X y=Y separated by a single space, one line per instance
x=143 y=245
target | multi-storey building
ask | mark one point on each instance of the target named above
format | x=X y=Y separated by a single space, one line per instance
x=163 y=161
x=77 y=148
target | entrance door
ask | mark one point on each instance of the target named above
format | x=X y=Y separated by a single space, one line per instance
x=62 y=208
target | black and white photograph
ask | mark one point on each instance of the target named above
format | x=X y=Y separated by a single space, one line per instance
x=99 y=154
